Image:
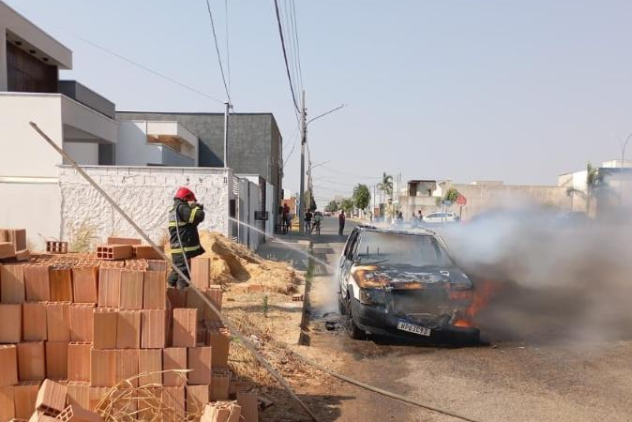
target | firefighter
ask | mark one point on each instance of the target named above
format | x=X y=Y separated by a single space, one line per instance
x=184 y=218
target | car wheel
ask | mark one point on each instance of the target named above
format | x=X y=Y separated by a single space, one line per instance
x=352 y=329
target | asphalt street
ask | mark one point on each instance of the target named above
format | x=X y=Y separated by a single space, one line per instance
x=501 y=381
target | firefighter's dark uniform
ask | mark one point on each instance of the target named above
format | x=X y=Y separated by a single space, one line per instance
x=183 y=220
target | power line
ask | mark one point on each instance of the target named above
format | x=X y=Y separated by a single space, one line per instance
x=227 y=45
x=140 y=66
x=219 y=57
x=287 y=66
x=298 y=48
x=350 y=174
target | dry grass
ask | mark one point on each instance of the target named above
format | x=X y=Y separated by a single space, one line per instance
x=82 y=238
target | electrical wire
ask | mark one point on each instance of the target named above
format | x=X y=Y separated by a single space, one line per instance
x=349 y=174
x=296 y=43
x=285 y=55
x=219 y=56
x=140 y=66
x=227 y=45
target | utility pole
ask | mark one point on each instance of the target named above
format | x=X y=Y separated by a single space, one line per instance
x=226 y=114
x=301 y=209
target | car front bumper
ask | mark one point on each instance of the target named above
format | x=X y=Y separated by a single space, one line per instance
x=376 y=320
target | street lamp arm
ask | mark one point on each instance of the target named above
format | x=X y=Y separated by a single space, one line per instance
x=328 y=112
x=625 y=145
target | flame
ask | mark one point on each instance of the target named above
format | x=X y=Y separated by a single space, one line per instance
x=483 y=294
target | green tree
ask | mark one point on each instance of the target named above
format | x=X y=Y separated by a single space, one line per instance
x=386 y=185
x=592 y=181
x=452 y=194
x=347 y=205
x=333 y=206
x=361 y=196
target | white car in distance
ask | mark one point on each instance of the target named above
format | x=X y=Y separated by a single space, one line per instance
x=441 y=217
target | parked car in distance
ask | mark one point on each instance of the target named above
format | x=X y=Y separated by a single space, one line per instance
x=403 y=284
x=327 y=214
x=441 y=217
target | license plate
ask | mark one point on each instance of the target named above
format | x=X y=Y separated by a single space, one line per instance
x=415 y=329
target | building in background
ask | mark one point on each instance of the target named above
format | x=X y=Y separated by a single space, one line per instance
x=254 y=147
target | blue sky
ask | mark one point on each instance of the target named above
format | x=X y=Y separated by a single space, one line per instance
x=463 y=90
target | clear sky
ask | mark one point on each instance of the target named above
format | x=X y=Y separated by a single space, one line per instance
x=461 y=90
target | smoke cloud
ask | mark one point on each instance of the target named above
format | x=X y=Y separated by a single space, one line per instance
x=554 y=278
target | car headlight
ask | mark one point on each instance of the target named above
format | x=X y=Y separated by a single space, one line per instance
x=372 y=297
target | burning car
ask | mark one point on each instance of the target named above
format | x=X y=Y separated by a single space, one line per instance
x=403 y=284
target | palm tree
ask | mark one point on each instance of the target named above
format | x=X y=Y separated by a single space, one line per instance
x=592 y=180
x=386 y=185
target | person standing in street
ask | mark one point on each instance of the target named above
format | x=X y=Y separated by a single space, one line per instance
x=308 y=221
x=341 y=222
x=184 y=239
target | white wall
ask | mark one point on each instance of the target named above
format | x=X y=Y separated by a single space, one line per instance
x=145 y=193
x=24 y=152
x=32 y=205
x=132 y=148
x=83 y=152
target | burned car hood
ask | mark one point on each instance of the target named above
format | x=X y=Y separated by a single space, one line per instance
x=410 y=277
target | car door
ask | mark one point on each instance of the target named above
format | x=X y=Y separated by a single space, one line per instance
x=346 y=262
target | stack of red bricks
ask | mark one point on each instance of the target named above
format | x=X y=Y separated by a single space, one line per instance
x=91 y=323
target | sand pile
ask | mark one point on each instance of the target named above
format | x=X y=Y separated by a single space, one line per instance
x=232 y=262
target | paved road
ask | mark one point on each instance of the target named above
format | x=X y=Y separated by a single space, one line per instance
x=508 y=382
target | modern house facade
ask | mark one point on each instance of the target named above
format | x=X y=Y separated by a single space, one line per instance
x=255 y=142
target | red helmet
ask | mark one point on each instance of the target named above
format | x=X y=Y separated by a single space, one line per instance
x=185 y=194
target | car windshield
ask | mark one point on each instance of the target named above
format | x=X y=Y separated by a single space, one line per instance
x=401 y=249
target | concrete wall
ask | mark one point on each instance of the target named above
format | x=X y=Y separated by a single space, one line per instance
x=134 y=150
x=481 y=198
x=24 y=152
x=145 y=193
x=88 y=97
x=32 y=204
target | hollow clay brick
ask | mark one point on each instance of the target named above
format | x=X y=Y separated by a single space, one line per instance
x=177 y=297
x=201 y=272
x=249 y=406
x=109 y=287
x=79 y=394
x=58 y=321
x=8 y=365
x=78 y=414
x=184 y=327
x=16 y=236
x=10 y=333
x=131 y=292
x=197 y=397
x=102 y=368
x=155 y=290
x=7 y=406
x=57 y=360
x=112 y=240
x=145 y=252
x=51 y=398
x=85 y=284
x=128 y=330
x=215 y=295
x=79 y=362
x=174 y=397
x=153 y=329
x=220 y=384
x=37 y=283
x=219 y=340
x=199 y=362
x=81 y=322
x=34 y=326
x=25 y=395
x=150 y=360
x=31 y=361
x=12 y=288
x=105 y=322
x=157 y=265
x=7 y=250
x=96 y=396
x=56 y=247
x=60 y=284
x=174 y=358
x=127 y=366
x=114 y=252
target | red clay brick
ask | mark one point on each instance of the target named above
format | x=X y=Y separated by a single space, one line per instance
x=81 y=322
x=85 y=284
x=102 y=368
x=154 y=329
x=127 y=366
x=150 y=360
x=25 y=395
x=12 y=288
x=145 y=252
x=128 y=330
x=31 y=361
x=10 y=333
x=60 y=284
x=8 y=365
x=37 y=283
x=79 y=394
x=34 y=327
x=79 y=361
x=105 y=324
x=58 y=321
x=51 y=398
x=155 y=290
x=57 y=360
x=184 y=327
x=174 y=358
x=109 y=287
x=249 y=406
x=113 y=240
x=7 y=250
x=114 y=252
x=201 y=272
x=131 y=292
x=7 y=406
x=197 y=397
x=199 y=362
